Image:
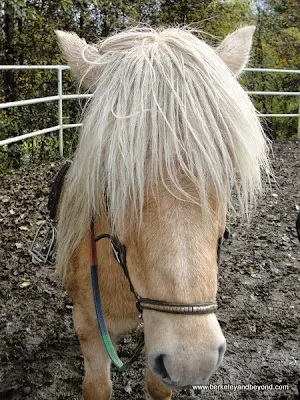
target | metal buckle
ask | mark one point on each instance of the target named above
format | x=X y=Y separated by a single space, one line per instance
x=43 y=247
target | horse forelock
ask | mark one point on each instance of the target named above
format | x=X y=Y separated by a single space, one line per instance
x=165 y=106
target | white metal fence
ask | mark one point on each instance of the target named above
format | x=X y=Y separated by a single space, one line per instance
x=60 y=97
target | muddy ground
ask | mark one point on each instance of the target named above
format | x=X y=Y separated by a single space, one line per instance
x=258 y=299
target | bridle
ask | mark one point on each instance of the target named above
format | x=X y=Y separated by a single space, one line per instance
x=142 y=303
x=42 y=253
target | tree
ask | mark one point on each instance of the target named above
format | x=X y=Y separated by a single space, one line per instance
x=27 y=37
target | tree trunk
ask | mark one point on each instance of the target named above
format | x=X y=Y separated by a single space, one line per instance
x=13 y=153
x=9 y=84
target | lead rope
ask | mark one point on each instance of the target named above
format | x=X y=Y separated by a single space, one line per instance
x=99 y=310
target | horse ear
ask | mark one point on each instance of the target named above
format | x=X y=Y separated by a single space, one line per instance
x=80 y=56
x=235 y=49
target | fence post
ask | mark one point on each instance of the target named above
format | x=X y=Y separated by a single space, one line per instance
x=60 y=112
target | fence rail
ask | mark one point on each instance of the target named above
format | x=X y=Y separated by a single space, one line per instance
x=60 y=97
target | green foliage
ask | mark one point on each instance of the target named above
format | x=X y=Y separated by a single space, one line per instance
x=277 y=45
x=27 y=37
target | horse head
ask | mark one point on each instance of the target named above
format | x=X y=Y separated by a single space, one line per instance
x=170 y=145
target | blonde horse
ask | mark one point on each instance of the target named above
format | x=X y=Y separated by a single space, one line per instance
x=168 y=139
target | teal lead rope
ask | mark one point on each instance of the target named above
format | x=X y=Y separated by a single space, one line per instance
x=101 y=321
x=100 y=315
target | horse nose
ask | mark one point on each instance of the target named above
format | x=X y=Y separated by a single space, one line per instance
x=174 y=373
x=221 y=351
x=158 y=367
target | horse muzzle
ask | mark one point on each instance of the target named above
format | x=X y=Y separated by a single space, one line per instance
x=182 y=351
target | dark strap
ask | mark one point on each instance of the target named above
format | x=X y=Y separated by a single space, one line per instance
x=56 y=189
x=119 y=251
x=176 y=308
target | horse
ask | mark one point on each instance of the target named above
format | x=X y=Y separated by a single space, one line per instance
x=170 y=145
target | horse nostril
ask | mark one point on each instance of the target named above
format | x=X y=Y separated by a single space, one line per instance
x=221 y=350
x=158 y=367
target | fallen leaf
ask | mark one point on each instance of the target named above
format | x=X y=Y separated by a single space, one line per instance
x=41 y=222
x=128 y=388
x=25 y=284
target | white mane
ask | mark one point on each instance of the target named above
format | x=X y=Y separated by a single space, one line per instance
x=164 y=102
